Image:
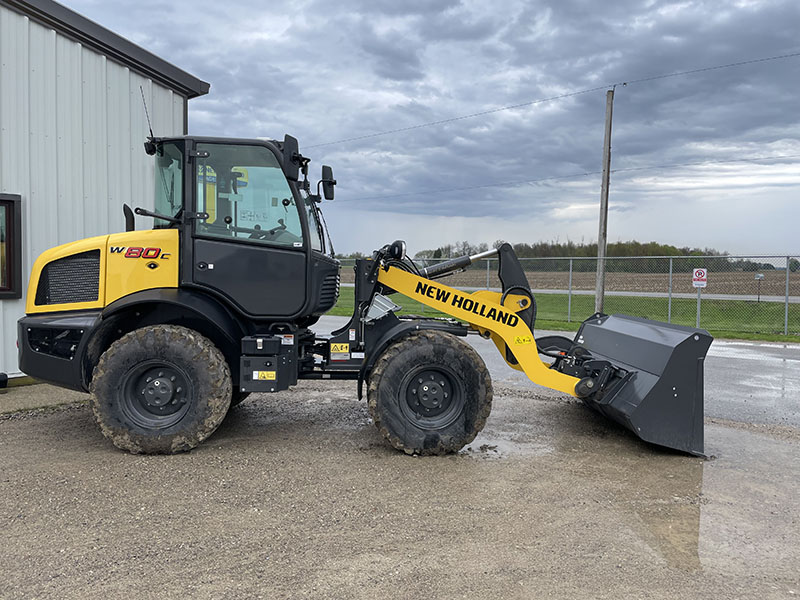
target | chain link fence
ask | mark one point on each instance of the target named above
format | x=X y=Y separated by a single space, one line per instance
x=744 y=294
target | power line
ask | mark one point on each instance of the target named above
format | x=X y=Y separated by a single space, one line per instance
x=580 y=175
x=461 y=118
x=559 y=97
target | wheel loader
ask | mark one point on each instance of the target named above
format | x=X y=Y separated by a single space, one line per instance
x=167 y=328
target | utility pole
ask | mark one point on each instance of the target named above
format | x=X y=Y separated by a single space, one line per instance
x=602 y=236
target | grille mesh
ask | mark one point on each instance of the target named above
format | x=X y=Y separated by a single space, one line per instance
x=329 y=293
x=70 y=279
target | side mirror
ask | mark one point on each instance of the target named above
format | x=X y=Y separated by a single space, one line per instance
x=291 y=166
x=327 y=182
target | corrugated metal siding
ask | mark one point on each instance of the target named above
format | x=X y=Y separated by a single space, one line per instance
x=71 y=132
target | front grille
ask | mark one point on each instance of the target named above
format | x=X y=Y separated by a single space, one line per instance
x=70 y=279
x=329 y=293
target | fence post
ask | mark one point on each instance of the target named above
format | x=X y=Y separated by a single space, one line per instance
x=669 y=300
x=786 y=301
x=488 y=260
x=698 y=308
x=569 y=294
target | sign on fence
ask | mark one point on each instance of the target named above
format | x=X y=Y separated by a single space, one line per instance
x=700 y=278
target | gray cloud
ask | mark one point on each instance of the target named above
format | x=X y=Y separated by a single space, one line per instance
x=327 y=72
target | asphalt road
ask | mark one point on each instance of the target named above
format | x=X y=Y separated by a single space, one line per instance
x=298 y=496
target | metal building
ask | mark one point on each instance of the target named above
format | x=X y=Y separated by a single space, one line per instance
x=71 y=132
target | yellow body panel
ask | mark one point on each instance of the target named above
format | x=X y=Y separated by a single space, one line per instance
x=52 y=254
x=128 y=274
x=483 y=311
x=129 y=262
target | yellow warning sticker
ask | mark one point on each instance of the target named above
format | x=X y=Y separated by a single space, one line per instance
x=264 y=375
x=340 y=348
x=521 y=340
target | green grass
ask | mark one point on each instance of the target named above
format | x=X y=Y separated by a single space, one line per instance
x=737 y=319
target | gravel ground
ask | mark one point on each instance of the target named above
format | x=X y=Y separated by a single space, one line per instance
x=297 y=495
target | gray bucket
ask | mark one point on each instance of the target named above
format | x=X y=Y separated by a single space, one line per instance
x=660 y=399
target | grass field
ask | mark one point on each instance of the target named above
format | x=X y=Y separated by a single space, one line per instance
x=723 y=318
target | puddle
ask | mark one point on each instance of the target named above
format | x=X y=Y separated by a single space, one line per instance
x=500 y=445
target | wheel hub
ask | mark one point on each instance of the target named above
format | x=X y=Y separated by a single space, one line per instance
x=430 y=394
x=159 y=391
x=429 y=398
x=155 y=394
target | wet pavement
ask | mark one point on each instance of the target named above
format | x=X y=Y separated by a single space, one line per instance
x=753 y=382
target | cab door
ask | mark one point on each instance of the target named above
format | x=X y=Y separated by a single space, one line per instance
x=251 y=248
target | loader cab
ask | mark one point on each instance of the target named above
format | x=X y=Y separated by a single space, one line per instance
x=249 y=233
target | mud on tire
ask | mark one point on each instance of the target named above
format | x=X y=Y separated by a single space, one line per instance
x=160 y=389
x=429 y=393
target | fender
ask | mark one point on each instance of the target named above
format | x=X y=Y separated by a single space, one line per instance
x=217 y=322
x=205 y=307
x=399 y=329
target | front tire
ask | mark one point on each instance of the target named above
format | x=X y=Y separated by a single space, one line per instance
x=429 y=393
x=161 y=389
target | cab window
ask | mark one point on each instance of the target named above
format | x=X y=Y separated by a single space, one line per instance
x=169 y=182
x=246 y=196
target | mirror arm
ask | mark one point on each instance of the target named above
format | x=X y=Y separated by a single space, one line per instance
x=146 y=213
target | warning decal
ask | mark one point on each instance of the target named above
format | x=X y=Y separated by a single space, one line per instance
x=264 y=375
x=340 y=348
x=523 y=339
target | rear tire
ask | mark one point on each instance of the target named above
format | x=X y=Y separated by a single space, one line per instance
x=429 y=393
x=161 y=389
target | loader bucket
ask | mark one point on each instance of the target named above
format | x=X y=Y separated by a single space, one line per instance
x=660 y=399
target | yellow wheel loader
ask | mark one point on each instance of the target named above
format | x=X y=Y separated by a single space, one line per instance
x=169 y=327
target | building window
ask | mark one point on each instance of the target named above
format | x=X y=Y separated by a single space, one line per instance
x=10 y=247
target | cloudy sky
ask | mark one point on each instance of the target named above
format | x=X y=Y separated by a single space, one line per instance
x=331 y=71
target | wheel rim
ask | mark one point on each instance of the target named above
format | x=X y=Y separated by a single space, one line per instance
x=431 y=397
x=155 y=394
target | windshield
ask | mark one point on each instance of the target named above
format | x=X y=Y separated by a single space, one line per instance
x=169 y=181
x=246 y=195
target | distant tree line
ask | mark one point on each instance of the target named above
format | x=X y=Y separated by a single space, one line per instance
x=716 y=261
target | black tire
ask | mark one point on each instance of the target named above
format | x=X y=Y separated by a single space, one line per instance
x=238 y=397
x=161 y=389
x=429 y=393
